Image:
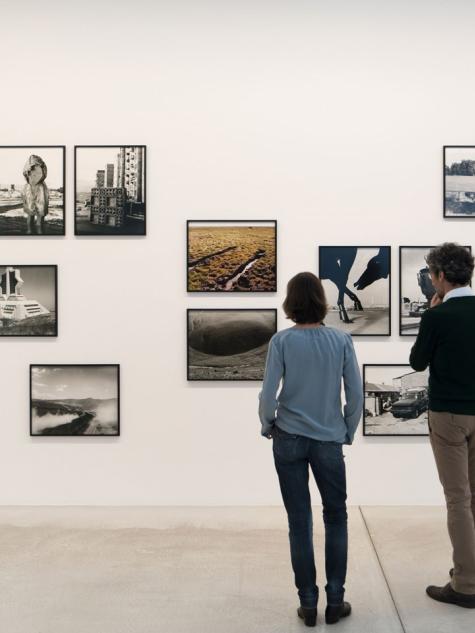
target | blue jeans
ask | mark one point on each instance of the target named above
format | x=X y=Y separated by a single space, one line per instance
x=292 y=455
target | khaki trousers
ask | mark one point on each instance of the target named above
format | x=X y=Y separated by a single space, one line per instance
x=452 y=437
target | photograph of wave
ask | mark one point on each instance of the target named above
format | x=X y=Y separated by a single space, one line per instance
x=74 y=400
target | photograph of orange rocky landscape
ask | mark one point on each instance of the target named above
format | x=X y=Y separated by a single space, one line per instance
x=232 y=256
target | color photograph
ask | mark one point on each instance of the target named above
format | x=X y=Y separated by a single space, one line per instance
x=28 y=300
x=74 y=400
x=232 y=256
x=396 y=400
x=357 y=283
x=229 y=344
x=459 y=181
x=32 y=181
x=109 y=190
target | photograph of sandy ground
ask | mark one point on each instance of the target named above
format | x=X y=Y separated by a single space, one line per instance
x=231 y=257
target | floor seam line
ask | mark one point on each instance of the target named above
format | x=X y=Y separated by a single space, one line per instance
x=382 y=570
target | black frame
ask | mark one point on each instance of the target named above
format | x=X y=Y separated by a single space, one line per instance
x=102 y=235
x=365 y=365
x=62 y=147
x=274 y=310
x=117 y=365
x=55 y=268
x=373 y=246
x=453 y=217
x=229 y=292
x=400 y=282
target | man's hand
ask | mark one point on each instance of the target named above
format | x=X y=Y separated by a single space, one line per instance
x=435 y=301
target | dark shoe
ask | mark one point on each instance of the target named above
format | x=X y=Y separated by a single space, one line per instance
x=334 y=613
x=309 y=616
x=450 y=596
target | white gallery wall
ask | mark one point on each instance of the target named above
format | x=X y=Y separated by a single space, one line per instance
x=327 y=116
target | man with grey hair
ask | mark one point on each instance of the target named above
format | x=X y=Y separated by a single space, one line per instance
x=446 y=343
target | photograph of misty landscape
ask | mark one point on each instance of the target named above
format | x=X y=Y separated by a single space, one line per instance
x=74 y=400
x=229 y=344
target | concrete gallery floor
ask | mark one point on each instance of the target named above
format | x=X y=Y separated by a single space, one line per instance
x=206 y=570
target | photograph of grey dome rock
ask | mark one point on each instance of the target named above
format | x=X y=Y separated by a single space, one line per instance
x=229 y=344
x=396 y=400
x=74 y=400
x=32 y=181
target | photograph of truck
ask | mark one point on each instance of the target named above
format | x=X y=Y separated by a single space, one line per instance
x=396 y=400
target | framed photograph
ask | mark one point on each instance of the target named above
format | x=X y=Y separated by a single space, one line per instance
x=231 y=256
x=229 y=344
x=32 y=190
x=459 y=181
x=109 y=190
x=28 y=300
x=396 y=401
x=415 y=287
x=70 y=400
x=357 y=283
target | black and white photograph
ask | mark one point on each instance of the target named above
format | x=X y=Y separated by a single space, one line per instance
x=74 y=400
x=110 y=189
x=357 y=283
x=28 y=300
x=459 y=181
x=229 y=344
x=32 y=190
x=396 y=400
x=232 y=256
x=415 y=287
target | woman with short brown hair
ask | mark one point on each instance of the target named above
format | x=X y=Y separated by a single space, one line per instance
x=309 y=428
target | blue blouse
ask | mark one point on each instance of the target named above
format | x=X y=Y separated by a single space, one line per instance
x=311 y=363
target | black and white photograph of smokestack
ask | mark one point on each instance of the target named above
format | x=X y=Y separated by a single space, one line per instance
x=110 y=189
x=32 y=190
x=229 y=344
x=74 y=400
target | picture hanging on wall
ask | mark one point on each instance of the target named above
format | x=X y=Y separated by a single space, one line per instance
x=32 y=190
x=357 y=283
x=109 y=189
x=415 y=287
x=229 y=344
x=28 y=300
x=459 y=181
x=395 y=400
x=70 y=400
x=232 y=256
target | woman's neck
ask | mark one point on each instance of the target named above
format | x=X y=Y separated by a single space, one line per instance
x=307 y=325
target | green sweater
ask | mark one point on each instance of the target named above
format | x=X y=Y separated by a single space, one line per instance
x=446 y=343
